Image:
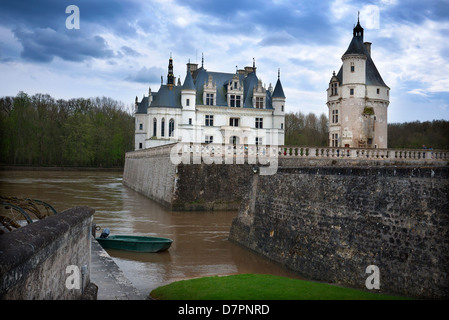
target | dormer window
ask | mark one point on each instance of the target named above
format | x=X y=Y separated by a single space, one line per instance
x=209 y=99
x=334 y=89
x=259 y=102
x=235 y=101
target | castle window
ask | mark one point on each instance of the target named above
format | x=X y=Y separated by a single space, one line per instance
x=209 y=121
x=352 y=67
x=334 y=140
x=378 y=90
x=351 y=92
x=140 y=126
x=258 y=140
x=163 y=127
x=334 y=89
x=209 y=99
x=234 y=122
x=171 y=127
x=235 y=101
x=190 y=120
x=209 y=139
x=282 y=126
x=282 y=108
x=334 y=116
x=259 y=123
x=259 y=102
x=187 y=102
x=154 y=127
x=140 y=145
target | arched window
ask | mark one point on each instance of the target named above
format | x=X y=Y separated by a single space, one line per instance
x=154 y=127
x=171 y=127
x=163 y=127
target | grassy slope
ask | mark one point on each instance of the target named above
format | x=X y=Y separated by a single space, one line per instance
x=259 y=287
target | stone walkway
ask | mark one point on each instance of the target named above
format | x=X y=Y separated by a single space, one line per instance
x=110 y=279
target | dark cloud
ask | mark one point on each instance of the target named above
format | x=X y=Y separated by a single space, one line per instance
x=127 y=51
x=43 y=45
x=147 y=75
x=417 y=10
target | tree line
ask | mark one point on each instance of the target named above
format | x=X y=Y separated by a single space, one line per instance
x=39 y=130
x=312 y=130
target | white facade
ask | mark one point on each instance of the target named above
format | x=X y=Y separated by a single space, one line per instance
x=358 y=99
x=211 y=107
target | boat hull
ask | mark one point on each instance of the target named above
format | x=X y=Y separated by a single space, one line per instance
x=135 y=243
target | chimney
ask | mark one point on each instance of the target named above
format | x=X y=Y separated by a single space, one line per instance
x=368 y=47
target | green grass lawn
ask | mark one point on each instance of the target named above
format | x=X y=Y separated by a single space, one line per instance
x=259 y=287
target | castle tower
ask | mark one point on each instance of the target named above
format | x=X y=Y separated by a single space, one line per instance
x=278 y=101
x=188 y=103
x=358 y=99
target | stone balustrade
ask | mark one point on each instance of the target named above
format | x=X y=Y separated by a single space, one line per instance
x=248 y=152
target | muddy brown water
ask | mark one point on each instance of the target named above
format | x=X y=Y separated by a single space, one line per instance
x=200 y=247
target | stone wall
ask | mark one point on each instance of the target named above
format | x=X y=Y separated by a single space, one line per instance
x=34 y=258
x=185 y=187
x=153 y=176
x=330 y=223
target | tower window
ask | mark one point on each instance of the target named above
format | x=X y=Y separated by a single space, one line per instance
x=352 y=67
x=334 y=116
x=140 y=126
x=187 y=102
x=334 y=89
x=378 y=90
x=351 y=92
x=163 y=127
x=154 y=127
x=190 y=120
x=334 y=140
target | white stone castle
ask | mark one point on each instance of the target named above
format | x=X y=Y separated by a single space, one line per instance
x=358 y=99
x=235 y=108
x=211 y=107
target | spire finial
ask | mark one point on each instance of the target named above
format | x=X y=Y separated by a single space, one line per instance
x=279 y=73
x=202 y=60
x=254 y=62
x=358 y=17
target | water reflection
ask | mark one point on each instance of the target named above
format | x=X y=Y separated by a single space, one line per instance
x=200 y=247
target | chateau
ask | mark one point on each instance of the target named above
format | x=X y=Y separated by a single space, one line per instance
x=236 y=108
x=358 y=99
x=211 y=107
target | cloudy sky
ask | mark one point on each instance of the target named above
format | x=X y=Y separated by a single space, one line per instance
x=122 y=47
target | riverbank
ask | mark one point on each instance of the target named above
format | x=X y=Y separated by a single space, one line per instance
x=49 y=168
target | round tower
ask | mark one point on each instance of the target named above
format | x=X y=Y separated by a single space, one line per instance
x=358 y=99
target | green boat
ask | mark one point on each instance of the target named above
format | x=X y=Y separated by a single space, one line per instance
x=135 y=243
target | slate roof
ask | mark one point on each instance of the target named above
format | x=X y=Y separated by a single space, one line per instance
x=278 y=91
x=195 y=81
x=357 y=46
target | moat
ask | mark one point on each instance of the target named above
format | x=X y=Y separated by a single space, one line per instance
x=200 y=248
